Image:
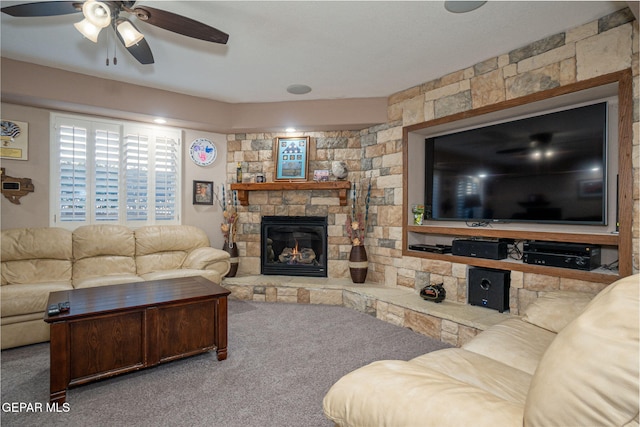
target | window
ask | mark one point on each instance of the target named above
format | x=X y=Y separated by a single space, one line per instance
x=113 y=172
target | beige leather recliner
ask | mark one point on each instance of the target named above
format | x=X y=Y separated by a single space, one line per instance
x=37 y=261
x=566 y=362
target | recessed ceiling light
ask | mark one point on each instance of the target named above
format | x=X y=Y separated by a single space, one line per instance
x=298 y=89
x=159 y=121
x=460 y=6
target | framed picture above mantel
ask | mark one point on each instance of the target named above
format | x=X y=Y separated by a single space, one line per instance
x=292 y=158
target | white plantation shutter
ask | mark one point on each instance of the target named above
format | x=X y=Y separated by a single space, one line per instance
x=107 y=175
x=166 y=178
x=109 y=172
x=71 y=168
x=136 y=161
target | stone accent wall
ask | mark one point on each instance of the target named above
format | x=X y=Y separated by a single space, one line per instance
x=596 y=48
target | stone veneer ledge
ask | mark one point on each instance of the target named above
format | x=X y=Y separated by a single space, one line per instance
x=450 y=322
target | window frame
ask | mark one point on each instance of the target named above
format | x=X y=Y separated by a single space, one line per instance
x=163 y=142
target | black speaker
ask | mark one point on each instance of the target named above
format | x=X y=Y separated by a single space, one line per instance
x=489 y=288
x=491 y=249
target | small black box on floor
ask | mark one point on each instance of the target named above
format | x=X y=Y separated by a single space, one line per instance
x=489 y=288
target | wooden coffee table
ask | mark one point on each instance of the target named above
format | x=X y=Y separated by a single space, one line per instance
x=110 y=330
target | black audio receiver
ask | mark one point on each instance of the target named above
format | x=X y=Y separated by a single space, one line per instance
x=577 y=256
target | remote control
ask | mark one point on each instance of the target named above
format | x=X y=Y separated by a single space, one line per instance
x=64 y=306
x=53 y=309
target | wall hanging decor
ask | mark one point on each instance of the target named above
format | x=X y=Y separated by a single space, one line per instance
x=15 y=140
x=14 y=188
x=292 y=160
x=203 y=192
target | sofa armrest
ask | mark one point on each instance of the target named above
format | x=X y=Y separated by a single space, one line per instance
x=208 y=259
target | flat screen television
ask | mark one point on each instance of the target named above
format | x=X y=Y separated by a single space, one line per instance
x=549 y=168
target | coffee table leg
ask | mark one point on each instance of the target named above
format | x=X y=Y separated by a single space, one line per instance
x=59 y=362
x=221 y=328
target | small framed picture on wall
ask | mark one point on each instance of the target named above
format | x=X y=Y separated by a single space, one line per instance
x=203 y=192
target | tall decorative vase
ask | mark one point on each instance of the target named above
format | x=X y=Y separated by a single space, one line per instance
x=358 y=264
x=233 y=251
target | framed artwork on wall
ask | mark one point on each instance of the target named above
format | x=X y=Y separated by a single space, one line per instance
x=15 y=140
x=203 y=192
x=292 y=158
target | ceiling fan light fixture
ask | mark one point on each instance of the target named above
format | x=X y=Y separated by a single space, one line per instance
x=129 y=33
x=97 y=13
x=88 y=30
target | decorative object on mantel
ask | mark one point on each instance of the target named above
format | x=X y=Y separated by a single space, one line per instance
x=14 y=188
x=339 y=169
x=291 y=157
x=15 y=140
x=228 y=227
x=321 y=175
x=356 y=228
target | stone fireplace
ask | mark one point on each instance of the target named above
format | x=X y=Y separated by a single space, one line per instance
x=293 y=246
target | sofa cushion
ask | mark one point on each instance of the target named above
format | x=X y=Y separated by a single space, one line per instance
x=28 y=298
x=399 y=393
x=212 y=275
x=503 y=381
x=513 y=342
x=112 y=279
x=36 y=271
x=165 y=247
x=35 y=243
x=555 y=310
x=103 y=240
x=589 y=374
x=104 y=254
x=35 y=255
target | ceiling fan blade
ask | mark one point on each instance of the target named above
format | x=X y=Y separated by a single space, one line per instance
x=47 y=8
x=513 y=150
x=141 y=51
x=180 y=24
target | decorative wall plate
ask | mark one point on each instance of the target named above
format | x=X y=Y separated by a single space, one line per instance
x=202 y=151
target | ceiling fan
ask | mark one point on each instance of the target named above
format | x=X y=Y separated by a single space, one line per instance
x=101 y=14
x=538 y=142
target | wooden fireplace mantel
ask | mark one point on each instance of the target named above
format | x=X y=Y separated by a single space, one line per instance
x=243 y=190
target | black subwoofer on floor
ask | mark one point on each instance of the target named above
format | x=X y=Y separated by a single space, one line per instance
x=489 y=288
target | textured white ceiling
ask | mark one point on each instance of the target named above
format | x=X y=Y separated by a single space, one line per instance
x=354 y=49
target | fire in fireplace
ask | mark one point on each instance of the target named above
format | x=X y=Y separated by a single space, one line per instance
x=293 y=246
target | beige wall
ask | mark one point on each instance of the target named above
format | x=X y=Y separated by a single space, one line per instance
x=29 y=84
x=33 y=210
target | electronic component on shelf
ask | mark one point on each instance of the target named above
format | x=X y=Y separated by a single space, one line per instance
x=489 y=249
x=438 y=249
x=578 y=256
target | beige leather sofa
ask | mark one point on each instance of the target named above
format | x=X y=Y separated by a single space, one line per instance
x=36 y=261
x=559 y=365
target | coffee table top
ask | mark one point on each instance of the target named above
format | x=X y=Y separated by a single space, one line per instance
x=102 y=299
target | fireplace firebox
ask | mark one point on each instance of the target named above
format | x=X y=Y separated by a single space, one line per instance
x=293 y=246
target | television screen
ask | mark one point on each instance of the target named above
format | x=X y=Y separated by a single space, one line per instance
x=546 y=168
